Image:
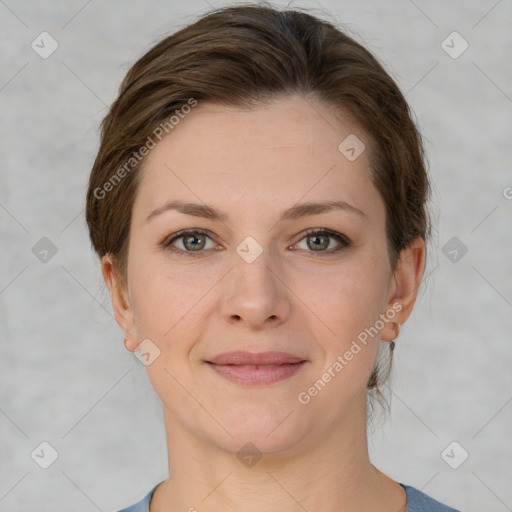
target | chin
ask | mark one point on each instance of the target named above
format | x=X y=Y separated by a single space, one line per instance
x=271 y=430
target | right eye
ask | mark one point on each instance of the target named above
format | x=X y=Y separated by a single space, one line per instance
x=192 y=241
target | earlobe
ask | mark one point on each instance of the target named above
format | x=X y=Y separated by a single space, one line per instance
x=130 y=344
x=407 y=277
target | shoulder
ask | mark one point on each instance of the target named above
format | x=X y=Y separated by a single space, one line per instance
x=418 y=501
x=142 y=505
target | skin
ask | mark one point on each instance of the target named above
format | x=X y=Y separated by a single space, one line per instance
x=252 y=164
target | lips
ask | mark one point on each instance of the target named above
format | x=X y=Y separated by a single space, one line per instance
x=251 y=369
x=255 y=359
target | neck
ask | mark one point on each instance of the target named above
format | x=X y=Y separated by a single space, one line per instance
x=330 y=473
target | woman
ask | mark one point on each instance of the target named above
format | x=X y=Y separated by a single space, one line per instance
x=258 y=203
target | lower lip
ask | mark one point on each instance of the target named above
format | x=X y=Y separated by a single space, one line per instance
x=261 y=376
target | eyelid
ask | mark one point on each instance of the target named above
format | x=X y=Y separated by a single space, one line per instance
x=169 y=240
x=343 y=240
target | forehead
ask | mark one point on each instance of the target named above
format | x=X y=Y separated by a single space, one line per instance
x=291 y=121
x=278 y=152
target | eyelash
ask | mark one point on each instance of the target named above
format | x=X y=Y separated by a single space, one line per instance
x=344 y=241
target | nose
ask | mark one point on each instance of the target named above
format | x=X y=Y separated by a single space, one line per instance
x=255 y=293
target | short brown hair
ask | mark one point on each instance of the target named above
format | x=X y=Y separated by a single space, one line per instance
x=246 y=55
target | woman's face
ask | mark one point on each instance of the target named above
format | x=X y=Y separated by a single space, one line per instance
x=254 y=280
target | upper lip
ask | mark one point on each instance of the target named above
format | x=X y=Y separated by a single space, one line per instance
x=241 y=357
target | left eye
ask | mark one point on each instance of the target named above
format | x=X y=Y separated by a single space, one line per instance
x=319 y=241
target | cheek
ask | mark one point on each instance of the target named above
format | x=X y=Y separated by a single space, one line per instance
x=167 y=298
x=348 y=298
x=349 y=303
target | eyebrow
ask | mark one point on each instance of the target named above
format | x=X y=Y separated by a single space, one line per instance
x=295 y=212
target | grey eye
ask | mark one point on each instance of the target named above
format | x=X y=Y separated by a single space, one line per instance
x=190 y=241
x=194 y=242
x=318 y=241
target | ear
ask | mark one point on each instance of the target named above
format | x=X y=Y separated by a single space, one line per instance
x=404 y=285
x=119 y=296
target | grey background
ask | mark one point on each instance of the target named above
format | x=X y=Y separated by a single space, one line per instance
x=65 y=375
